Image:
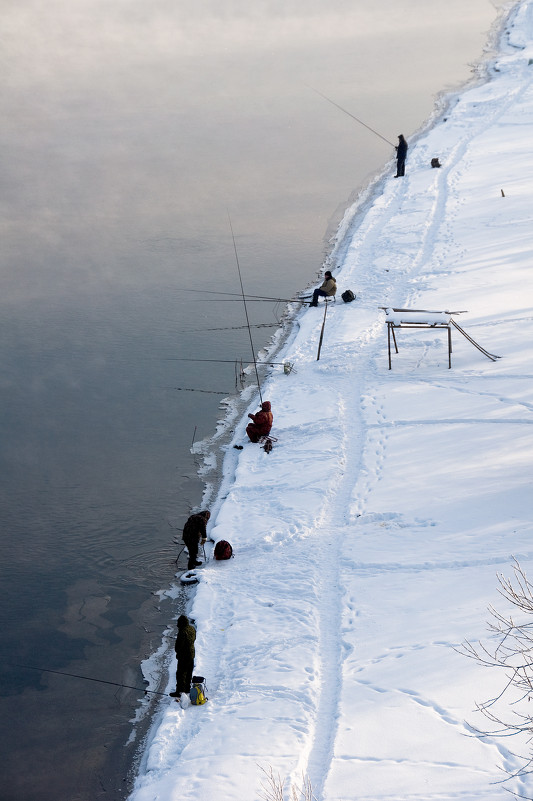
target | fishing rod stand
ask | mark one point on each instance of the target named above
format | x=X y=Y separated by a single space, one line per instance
x=428 y=320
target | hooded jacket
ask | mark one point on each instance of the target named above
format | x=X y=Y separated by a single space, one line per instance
x=263 y=420
x=195 y=527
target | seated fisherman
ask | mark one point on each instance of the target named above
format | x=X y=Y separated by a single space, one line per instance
x=327 y=290
x=261 y=423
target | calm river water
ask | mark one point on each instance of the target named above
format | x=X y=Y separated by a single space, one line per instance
x=131 y=129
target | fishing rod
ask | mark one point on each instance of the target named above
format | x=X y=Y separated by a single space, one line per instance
x=245 y=307
x=217 y=361
x=206 y=391
x=351 y=115
x=90 y=678
x=251 y=299
x=237 y=295
x=226 y=328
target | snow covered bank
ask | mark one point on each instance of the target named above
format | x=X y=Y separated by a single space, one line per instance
x=367 y=543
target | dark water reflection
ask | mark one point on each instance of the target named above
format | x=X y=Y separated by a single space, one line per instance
x=130 y=130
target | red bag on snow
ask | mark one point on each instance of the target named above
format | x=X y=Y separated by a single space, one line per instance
x=223 y=550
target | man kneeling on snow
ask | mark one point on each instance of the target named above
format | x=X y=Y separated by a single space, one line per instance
x=261 y=423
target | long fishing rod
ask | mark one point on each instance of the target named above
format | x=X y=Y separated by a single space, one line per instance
x=90 y=678
x=225 y=328
x=206 y=391
x=351 y=115
x=236 y=294
x=250 y=300
x=217 y=361
x=245 y=307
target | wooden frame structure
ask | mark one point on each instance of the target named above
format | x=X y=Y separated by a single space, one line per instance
x=422 y=319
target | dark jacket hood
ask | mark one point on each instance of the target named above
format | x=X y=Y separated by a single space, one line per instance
x=265 y=406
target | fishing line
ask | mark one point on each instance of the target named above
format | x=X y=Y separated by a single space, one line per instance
x=217 y=361
x=245 y=307
x=351 y=115
x=89 y=678
x=207 y=391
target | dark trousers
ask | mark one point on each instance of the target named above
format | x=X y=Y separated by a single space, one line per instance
x=318 y=293
x=254 y=432
x=400 y=169
x=184 y=675
x=192 y=547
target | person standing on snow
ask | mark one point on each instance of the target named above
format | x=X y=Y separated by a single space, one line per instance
x=261 y=423
x=195 y=534
x=184 y=648
x=327 y=290
x=401 y=155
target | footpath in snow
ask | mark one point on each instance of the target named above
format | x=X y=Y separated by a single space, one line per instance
x=368 y=543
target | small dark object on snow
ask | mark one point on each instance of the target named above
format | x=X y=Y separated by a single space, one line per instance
x=238 y=447
x=268 y=443
x=348 y=296
x=223 y=550
x=435 y=163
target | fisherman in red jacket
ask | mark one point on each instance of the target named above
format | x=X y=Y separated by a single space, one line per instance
x=261 y=423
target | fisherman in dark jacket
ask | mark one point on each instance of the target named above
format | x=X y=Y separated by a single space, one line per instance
x=184 y=648
x=401 y=155
x=195 y=534
x=261 y=423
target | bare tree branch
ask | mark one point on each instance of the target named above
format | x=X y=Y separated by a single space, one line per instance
x=512 y=652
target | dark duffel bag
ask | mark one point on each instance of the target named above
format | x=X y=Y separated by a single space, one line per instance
x=348 y=296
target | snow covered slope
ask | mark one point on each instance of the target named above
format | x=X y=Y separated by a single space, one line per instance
x=368 y=542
